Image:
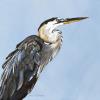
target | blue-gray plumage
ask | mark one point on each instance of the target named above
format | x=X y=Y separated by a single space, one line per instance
x=24 y=65
x=20 y=65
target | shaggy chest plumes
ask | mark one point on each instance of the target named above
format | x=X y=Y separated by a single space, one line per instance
x=49 y=52
x=24 y=65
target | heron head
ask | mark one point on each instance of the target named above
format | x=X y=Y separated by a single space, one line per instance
x=49 y=27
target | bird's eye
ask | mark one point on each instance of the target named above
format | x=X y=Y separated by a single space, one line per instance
x=61 y=19
x=57 y=20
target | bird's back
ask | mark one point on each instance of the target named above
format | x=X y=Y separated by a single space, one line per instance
x=20 y=69
x=24 y=65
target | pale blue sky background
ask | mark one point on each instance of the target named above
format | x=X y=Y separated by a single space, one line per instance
x=74 y=74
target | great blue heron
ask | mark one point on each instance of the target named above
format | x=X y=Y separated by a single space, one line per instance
x=24 y=65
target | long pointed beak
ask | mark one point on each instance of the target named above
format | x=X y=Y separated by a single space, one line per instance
x=71 y=20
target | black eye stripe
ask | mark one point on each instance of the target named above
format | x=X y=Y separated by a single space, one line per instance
x=46 y=21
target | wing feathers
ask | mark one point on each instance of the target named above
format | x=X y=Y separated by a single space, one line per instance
x=20 y=69
x=21 y=79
